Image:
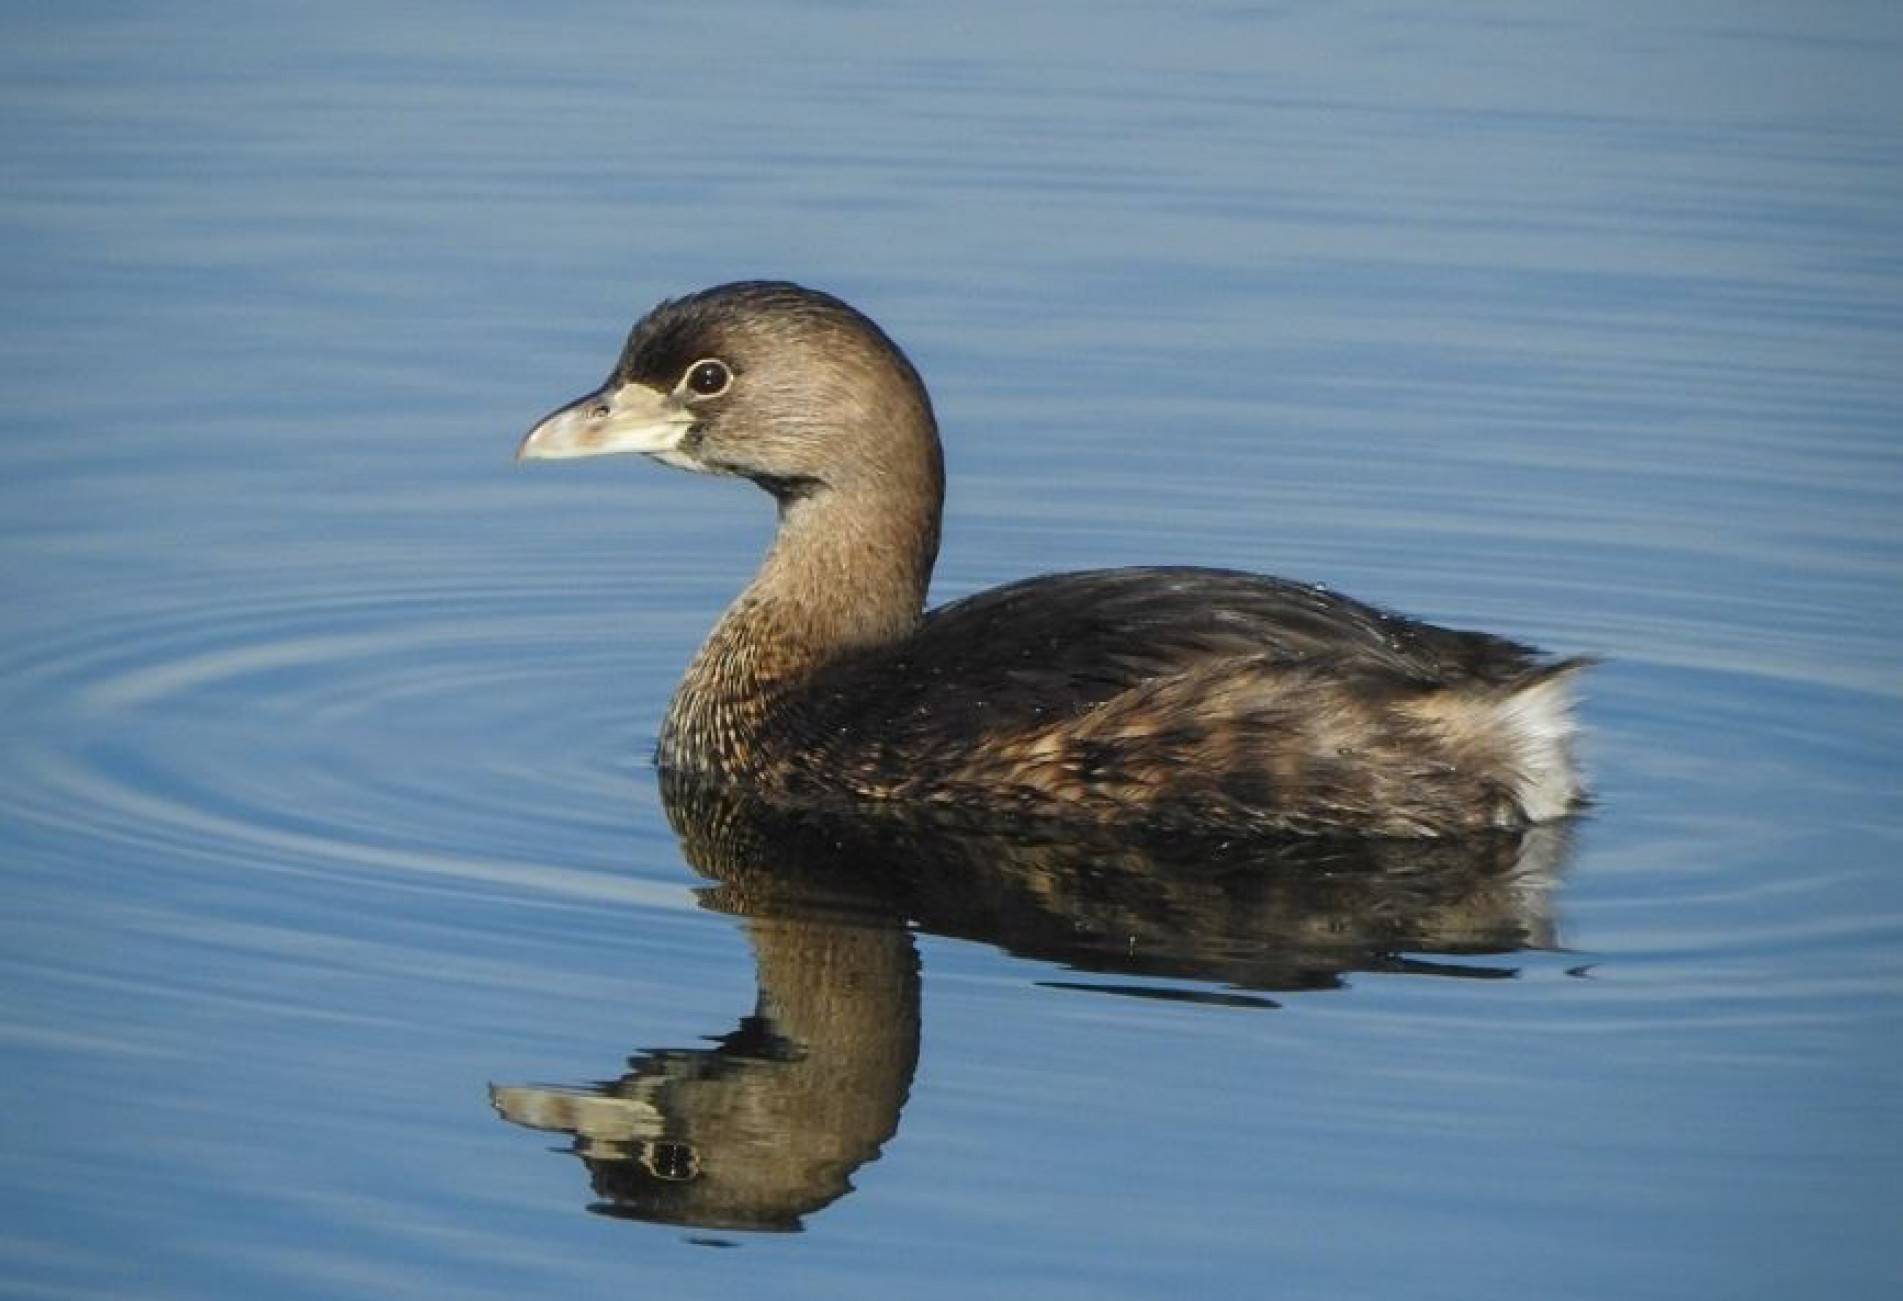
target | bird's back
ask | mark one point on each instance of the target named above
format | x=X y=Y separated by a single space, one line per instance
x=1201 y=696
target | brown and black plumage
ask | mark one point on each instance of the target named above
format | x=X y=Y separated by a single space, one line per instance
x=1180 y=697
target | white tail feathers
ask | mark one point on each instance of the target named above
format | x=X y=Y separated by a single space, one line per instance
x=1536 y=718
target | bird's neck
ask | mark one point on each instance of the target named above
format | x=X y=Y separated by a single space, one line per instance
x=846 y=574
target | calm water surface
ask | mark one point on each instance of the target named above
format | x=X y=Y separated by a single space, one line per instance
x=350 y=947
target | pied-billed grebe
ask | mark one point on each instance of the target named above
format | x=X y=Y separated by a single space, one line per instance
x=1180 y=697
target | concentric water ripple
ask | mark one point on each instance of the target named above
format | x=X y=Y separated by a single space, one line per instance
x=436 y=734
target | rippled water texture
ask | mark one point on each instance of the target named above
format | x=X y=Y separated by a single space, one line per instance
x=351 y=947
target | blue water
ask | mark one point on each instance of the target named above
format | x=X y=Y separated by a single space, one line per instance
x=325 y=804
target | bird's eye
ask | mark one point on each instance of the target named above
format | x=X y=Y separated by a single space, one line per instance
x=709 y=377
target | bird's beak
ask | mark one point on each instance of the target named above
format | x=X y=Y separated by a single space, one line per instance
x=615 y=418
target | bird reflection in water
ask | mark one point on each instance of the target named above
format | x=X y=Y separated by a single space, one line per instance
x=768 y=1126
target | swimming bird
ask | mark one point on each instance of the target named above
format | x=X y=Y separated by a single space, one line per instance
x=1192 y=699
